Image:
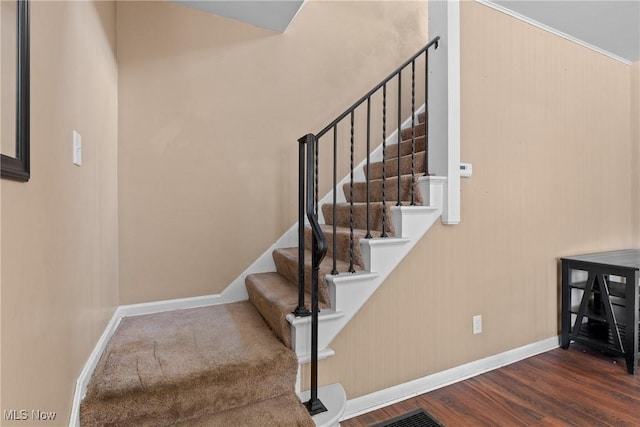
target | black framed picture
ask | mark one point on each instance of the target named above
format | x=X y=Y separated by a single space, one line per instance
x=14 y=92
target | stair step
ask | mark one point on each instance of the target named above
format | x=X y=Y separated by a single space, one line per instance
x=391 y=151
x=391 y=190
x=375 y=169
x=343 y=212
x=422 y=116
x=342 y=242
x=286 y=260
x=406 y=133
x=285 y=410
x=164 y=368
x=274 y=297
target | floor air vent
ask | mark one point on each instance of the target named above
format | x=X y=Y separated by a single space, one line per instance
x=417 y=418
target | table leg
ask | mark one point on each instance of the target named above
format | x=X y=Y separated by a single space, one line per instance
x=566 y=306
x=631 y=323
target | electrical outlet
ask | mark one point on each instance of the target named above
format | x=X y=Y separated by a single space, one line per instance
x=477 y=324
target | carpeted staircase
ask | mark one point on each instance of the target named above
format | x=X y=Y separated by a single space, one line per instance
x=276 y=294
x=232 y=364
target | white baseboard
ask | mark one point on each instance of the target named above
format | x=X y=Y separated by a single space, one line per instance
x=389 y=396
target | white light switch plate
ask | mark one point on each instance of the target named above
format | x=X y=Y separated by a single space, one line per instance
x=477 y=324
x=77 y=149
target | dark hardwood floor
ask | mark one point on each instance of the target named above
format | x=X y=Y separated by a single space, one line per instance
x=574 y=387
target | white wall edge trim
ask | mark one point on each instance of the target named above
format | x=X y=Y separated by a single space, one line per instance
x=398 y=393
x=87 y=371
x=551 y=30
x=444 y=103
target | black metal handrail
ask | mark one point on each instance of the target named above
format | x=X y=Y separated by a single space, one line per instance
x=308 y=200
x=434 y=42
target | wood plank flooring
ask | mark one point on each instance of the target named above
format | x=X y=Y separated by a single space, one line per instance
x=574 y=387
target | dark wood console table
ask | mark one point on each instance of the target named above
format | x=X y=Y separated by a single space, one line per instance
x=601 y=308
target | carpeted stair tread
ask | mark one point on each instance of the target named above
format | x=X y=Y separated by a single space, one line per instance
x=285 y=410
x=422 y=116
x=420 y=130
x=391 y=190
x=375 y=169
x=161 y=368
x=342 y=242
x=274 y=297
x=391 y=151
x=286 y=260
x=343 y=211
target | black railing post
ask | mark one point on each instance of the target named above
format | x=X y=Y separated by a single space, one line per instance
x=301 y=310
x=318 y=251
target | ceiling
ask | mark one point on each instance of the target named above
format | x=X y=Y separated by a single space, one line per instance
x=612 y=26
x=270 y=14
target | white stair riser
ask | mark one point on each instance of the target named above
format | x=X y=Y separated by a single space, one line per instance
x=381 y=254
x=432 y=190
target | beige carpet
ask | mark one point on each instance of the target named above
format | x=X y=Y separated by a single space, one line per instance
x=183 y=365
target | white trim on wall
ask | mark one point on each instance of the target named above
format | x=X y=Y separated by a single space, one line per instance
x=444 y=103
x=389 y=396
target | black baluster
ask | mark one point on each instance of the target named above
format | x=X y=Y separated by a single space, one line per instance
x=426 y=111
x=384 y=160
x=316 y=155
x=368 y=235
x=334 y=270
x=399 y=132
x=413 y=130
x=351 y=269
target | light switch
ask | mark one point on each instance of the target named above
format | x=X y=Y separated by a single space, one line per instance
x=77 y=149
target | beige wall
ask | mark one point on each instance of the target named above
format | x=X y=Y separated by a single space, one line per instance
x=545 y=124
x=210 y=111
x=59 y=230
